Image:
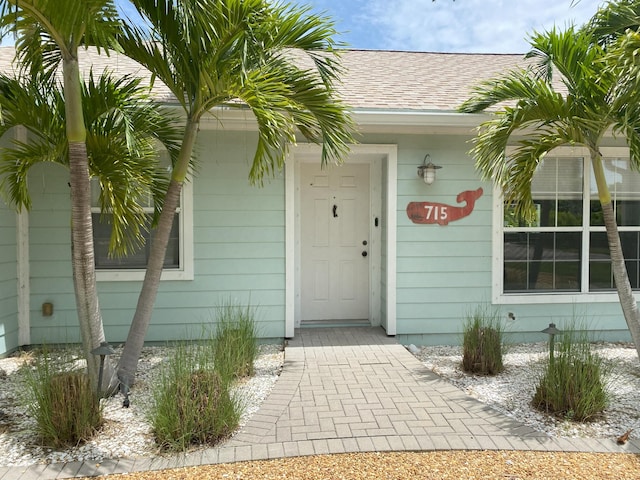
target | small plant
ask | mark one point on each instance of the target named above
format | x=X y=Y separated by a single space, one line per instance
x=571 y=385
x=482 y=342
x=236 y=341
x=192 y=404
x=66 y=409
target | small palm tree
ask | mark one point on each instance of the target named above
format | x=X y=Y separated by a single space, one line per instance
x=238 y=53
x=545 y=118
x=48 y=35
x=123 y=130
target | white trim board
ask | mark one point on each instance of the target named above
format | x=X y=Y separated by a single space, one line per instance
x=375 y=155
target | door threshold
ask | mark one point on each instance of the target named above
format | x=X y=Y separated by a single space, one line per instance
x=335 y=323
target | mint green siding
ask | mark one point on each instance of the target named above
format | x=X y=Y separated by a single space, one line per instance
x=239 y=253
x=50 y=256
x=443 y=272
x=8 y=281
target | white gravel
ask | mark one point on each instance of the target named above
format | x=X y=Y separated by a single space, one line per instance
x=511 y=391
x=126 y=432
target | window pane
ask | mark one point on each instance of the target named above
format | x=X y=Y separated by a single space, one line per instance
x=135 y=260
x=630 y=245
x=628 y=213
x=556 y=189
x=624 y=186
x=548 y=261
x=600 y=271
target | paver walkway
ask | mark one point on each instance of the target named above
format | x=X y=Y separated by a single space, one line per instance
x=350 y=390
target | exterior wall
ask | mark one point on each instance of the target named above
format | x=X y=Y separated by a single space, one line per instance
x=8 y=281
x=238 y=247
x=50 y=256
x=443 y=272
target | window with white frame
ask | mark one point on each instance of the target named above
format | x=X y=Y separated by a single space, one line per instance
x=179 y=256
x=565 y=249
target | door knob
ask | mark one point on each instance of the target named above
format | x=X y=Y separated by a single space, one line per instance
x=364 y=253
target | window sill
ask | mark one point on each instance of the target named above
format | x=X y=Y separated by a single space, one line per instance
x=557 y=298
x=138 y=275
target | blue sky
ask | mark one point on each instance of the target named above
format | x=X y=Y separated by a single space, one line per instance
x=488 y=26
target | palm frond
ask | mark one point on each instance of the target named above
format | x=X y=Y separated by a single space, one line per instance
x=49 y=30
x=614 y=19
x=244 y=51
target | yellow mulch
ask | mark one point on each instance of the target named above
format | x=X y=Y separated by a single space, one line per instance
x=458 y=465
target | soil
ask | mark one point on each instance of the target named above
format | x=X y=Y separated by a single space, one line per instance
x=458 y=465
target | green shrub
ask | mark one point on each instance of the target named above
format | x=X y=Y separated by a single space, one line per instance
x=482 y=343
x=236 y=341
x=572 y=384
x=192 y=404
x=66 y=409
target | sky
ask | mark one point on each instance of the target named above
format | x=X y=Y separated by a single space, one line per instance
x=460 y=26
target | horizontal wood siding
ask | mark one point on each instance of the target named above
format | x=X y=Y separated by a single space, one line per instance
x=444 y=272
x=238 y=248
x=8 y=281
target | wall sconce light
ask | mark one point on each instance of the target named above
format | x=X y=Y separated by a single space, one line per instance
x=427 y=171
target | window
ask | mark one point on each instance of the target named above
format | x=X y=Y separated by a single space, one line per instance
x=178 y=264
x=565 y=249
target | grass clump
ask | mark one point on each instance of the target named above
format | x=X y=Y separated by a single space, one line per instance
x=236 y=341
x=60 y=398
x=572 y=385
x=482 y=342
x=192 y=403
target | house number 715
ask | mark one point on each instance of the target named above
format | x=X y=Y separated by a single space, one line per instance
x=442 y=213
x=436 y=212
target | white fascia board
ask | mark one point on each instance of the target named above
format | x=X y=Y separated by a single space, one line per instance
x=241 y=118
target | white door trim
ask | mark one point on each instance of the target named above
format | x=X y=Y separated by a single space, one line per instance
x=383 y=206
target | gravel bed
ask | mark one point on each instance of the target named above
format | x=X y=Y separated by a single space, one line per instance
x=447 y=465
x=126 y=432
x=511 y=391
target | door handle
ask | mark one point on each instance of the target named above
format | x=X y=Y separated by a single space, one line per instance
x=335 y=211
x=364 y=253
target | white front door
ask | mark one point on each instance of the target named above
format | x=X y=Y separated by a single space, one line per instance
x=335 y=242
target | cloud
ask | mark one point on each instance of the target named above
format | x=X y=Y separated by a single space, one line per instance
x=492 y=26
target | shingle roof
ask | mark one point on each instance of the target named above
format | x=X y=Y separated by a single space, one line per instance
x=373 y=80
x=417 y=81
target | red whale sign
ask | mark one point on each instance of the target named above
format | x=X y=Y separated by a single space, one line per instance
x=441 y=213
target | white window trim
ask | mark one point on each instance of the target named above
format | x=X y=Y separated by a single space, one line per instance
x=186 y=270
x=497 y=278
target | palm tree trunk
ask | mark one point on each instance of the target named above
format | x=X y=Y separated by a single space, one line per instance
x=142 y=318
x=620 y=275
x=84 y=276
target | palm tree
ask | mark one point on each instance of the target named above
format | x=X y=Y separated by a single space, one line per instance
x=614 y=19
x=239 y=53
x=544 y=118
x=123 y=131
x=49 y=34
